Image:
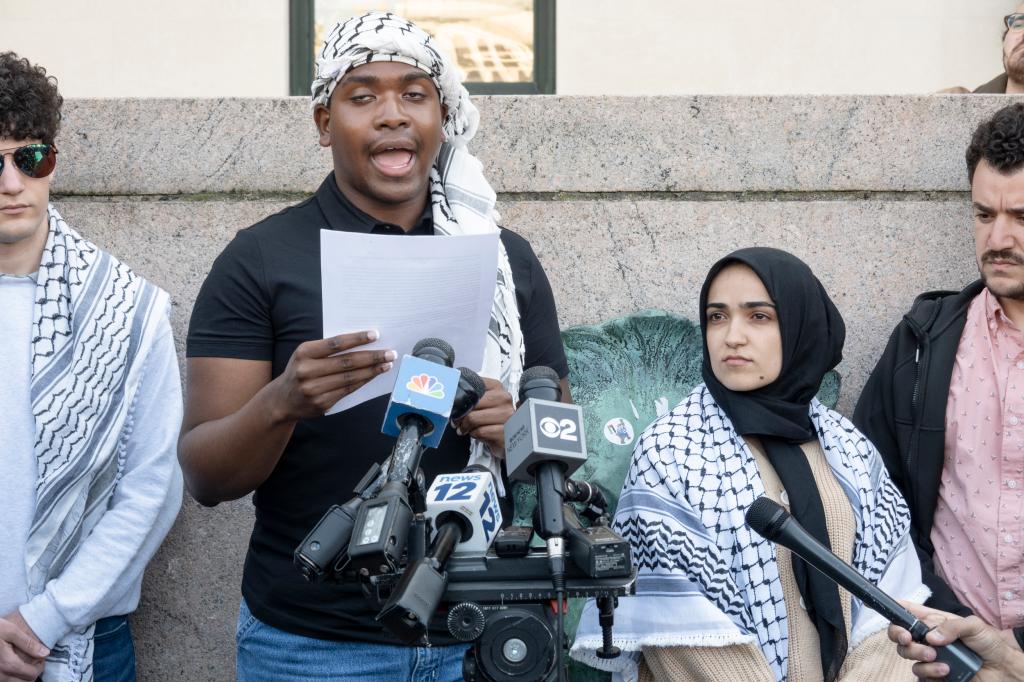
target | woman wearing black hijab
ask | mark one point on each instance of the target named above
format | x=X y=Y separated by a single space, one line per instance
x=716 y=601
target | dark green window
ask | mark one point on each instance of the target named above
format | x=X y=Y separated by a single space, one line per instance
x=503 y=47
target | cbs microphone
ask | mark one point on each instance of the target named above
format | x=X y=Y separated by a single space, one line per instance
x=544 y=443
x=774 y=523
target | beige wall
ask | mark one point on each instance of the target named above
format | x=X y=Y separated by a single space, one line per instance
x=645 y=47
x=153 y=48
x=206 y=48
x=201 y=48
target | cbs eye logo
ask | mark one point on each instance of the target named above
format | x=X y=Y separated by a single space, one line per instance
x=560 y=429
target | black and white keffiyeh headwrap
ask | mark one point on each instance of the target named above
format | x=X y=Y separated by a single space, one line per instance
x=94 y=324
x=705 y=579
x=387 y=37
x=462 y=200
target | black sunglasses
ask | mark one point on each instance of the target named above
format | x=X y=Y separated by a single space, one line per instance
x=1014 y=22
x=34 y=160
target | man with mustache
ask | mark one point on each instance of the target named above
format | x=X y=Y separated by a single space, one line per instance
x=945 y=404
x=397 y=120
x=1011 y=81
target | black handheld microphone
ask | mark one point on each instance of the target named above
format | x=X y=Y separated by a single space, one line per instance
x=544 y=442
x=776 y=524
x=470 y=390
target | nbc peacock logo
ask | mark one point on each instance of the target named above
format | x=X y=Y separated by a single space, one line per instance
x=427 y=385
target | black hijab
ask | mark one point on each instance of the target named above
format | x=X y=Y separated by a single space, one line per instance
x=812 y=332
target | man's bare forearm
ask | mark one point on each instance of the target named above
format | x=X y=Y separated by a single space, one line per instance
x=227 y=458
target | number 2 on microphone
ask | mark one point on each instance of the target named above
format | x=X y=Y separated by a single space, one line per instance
x=460 y=491
x=564 y=429
x=487 y=518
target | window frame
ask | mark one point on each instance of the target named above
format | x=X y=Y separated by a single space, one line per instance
x=301 y=16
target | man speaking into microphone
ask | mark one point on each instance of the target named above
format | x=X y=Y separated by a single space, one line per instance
x=390 y=107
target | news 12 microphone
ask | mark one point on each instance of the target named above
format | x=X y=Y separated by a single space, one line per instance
x=776 y=524
x=470 y=499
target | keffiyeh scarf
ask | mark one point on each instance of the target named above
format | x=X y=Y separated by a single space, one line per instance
x=705 y=579
x=387 y=37
x=462 y=200
x=94 y=323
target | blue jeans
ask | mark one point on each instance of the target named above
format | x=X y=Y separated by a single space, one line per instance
x=113 y=654
x=266 y=654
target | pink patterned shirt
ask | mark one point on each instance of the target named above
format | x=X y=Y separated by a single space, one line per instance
x=977 y=534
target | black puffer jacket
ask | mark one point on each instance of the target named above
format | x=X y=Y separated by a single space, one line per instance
x=903 y=411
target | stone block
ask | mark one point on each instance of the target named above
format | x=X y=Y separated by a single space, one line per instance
x=544 y=144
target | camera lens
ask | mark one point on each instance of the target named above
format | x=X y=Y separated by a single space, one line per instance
x=514 y=650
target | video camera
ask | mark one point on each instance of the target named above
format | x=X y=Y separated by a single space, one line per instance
x=443 y=555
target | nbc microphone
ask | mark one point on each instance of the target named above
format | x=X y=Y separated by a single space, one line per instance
x=466 y=516
x=775 y=523
x=420 y=407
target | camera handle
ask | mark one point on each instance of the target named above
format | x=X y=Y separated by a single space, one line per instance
x=419 y=535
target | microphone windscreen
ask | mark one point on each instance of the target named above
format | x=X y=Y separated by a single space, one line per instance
x=474 y=380
x=766 y=517
x=539 y=377
x=471 y=389
x=435 y=350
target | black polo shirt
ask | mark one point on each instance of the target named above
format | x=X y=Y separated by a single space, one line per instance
x=259 y=302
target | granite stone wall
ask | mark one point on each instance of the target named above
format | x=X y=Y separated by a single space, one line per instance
x=625 y=200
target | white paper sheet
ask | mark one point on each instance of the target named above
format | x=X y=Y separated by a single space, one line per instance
x=408 y=288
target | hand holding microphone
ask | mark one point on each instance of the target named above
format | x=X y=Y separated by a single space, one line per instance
x=486 y=422
x=774 y=523
x=1003 y=662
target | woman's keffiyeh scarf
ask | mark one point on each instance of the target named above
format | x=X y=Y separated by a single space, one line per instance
x=462 y=200
x=705 y=579
x=94 y=323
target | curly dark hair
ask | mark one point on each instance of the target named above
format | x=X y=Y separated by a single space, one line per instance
x=29 y=101
x=999 y=141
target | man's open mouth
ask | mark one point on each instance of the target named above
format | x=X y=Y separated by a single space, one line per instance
x=394 y=159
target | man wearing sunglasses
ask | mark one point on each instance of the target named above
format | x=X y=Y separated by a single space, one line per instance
x=89 y=412
x=1011 y=81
